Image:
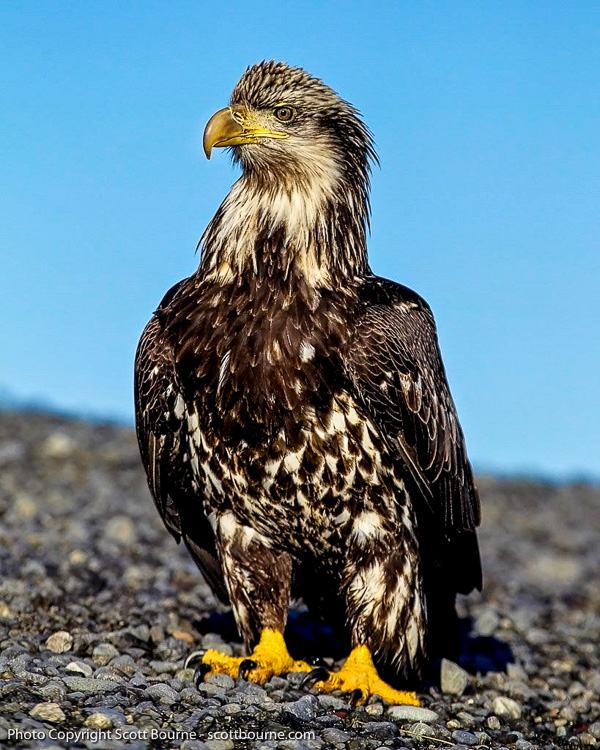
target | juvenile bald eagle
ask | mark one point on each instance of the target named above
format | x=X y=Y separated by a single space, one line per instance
x=292 y=409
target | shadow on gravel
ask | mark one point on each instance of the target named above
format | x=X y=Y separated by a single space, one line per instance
x=482 y=654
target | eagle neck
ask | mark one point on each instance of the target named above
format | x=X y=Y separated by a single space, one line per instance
x=268 y=229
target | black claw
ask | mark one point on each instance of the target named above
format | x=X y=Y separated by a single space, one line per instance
x=193 y=658
x=245 y=667
x=356 y=697
x=319 y=674
x=316 y=661
x=200 y=674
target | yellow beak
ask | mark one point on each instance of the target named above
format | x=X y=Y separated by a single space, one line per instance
x=234 y=127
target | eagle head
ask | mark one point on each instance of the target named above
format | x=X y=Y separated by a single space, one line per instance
x=285 y=125
x=302 y=201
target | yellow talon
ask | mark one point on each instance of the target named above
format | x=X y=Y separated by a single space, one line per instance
x=269 y=658
x=359 y=673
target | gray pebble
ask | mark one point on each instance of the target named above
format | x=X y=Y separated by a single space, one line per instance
x=223 y=681
x=463 y=737
x=220 y=745
x=331 y=702
x=165 y=666
x=103 y=653
x=380 y=729
x=89 y=684
x=162 y=693
x=412 y=713
x=420 y=729
x=454 y=679
x=304 y=708
x=123 y=665
x=79 y=667
x=335 y=736
x=503 y=706
x=487 y=623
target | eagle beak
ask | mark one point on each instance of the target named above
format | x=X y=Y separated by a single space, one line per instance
x=234 y=126
x=221 y=130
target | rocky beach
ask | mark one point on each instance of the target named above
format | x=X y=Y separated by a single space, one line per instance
x=99 y=608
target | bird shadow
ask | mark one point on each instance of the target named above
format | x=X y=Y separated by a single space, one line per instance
x=481 y=654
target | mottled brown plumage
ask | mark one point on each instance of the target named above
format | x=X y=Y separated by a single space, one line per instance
x=292 y=409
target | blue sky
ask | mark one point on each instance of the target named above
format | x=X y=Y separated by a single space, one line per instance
x=487 y=120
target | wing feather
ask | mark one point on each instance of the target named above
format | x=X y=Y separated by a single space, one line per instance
x=161 y=427
x=394 y=364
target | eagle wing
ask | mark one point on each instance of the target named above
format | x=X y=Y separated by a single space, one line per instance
x=161 y=431
x=394 y=364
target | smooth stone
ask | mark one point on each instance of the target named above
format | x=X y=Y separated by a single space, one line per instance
x=89 y=685
x=412 y=713
x=462 y=737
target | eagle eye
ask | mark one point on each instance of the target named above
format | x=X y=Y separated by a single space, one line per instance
x=284 y=114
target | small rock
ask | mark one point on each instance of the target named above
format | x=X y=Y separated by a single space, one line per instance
x=382 y=730
x=335 y=736
x=412 y=713
x=48 y=712
x=5 y=611
x=331 y=702
x=585 y=738
x=25 y=507
x=523 y=744
x=98 y=721
x=304 y=708
x=487 y=623
x=120 y=529
x=58 y=445
x=221 y=680
x=516 y=672
x=461 y=737
x=141 y=632
x=103 y=653
x=493 y=722
x=160 y=667
x=220 y=745
x=79 y=667
x=123 y=665
x=454 y=679
x=503 y=706
x=420 y=730
x=60 y=643
x=89 y=685
x=162 y=693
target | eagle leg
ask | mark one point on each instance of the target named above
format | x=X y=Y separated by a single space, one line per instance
x=359 y=677
x=270 y=657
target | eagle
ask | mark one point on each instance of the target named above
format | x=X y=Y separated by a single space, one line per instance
x=293 y=412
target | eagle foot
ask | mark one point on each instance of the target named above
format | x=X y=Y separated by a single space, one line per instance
x=269 y=658
x=359 y=677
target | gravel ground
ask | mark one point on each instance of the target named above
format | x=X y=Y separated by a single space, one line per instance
x=99 y=607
